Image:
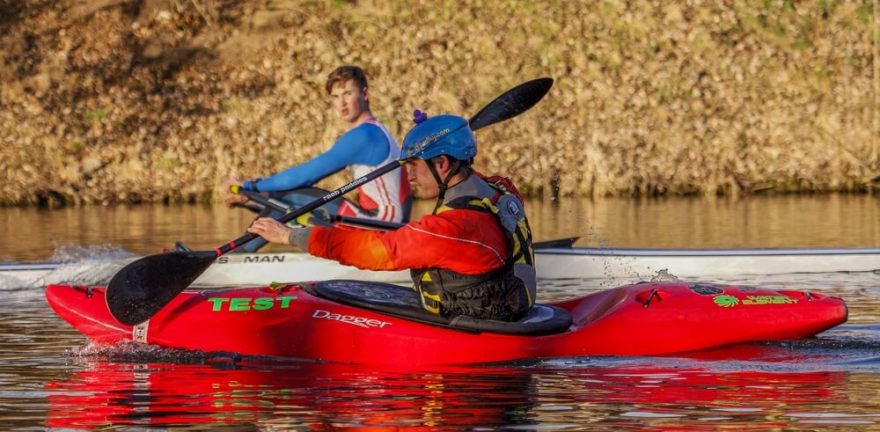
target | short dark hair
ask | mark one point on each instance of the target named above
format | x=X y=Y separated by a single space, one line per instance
x=345 y=73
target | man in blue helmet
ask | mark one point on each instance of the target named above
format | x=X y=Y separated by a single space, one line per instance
x=472 y=256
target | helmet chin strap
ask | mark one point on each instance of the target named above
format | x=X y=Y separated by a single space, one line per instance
x=443 y=185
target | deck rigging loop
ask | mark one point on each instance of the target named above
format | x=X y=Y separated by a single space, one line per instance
x=650 y=298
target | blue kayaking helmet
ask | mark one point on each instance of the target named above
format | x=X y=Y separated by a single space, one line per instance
x=443 y=134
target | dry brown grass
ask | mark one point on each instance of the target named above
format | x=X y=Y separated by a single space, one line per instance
x=152 y=100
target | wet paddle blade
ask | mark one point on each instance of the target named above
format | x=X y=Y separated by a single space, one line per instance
x=144 y=286
x=512 y=103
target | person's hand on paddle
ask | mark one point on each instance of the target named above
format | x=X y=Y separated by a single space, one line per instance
x=231 y=199
x=276 y=232
x=271 y=230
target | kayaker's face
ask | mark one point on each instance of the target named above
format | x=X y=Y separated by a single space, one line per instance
x=419 y=176
x=350 y=101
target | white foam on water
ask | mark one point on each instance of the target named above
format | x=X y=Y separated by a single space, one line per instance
x=136 y=352
x=88 y=272
x=71 y=253
x=663 y=275
x=76 y=265
x=12 y=283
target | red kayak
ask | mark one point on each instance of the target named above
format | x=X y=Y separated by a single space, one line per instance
x=382 y=324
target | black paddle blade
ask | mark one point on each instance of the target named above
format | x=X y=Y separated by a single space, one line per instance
x=557 y=243
x=512 y=103
x=142 y=287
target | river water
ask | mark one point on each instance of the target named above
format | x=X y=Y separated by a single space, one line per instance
x=52 y=378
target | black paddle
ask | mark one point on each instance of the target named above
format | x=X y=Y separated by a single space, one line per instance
x=283 y=207
x=143 y=287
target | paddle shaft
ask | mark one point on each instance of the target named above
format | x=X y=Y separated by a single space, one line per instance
x=283 y=207
x=314 y=204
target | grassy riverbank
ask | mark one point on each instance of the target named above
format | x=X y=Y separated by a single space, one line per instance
x=160 y=100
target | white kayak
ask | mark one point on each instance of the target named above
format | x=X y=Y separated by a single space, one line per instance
x=552 y=263
x=701 y=263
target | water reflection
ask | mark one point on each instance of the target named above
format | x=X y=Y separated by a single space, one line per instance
x=609 y=393
x=292 y=395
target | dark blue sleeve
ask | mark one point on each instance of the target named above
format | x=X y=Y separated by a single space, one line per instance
x=364 y=145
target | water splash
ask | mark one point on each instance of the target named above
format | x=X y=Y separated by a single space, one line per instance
x=133 y=352
x=663 y=275
x=72 y=253
x=71 y=264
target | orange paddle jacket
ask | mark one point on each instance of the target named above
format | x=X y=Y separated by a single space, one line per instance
x=462 y=240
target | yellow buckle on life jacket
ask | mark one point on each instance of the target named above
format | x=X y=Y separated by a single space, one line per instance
x=430 y=302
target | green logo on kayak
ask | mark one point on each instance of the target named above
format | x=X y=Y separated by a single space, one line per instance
x=243 y=304
x=726 y=300
x=766 y=300
x=752 y=300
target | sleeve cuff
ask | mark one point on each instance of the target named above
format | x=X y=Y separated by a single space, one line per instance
x=299 y=237
x=250 y=185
